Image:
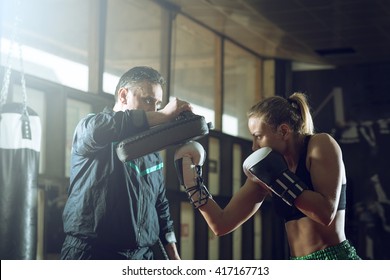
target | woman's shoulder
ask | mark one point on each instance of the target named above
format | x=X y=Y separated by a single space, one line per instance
x=322 y=137
x=323 y=141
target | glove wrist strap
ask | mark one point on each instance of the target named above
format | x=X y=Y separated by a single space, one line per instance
x=198 y=195
x=288 y=187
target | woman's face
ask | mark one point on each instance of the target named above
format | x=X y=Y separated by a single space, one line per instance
x=264 y=135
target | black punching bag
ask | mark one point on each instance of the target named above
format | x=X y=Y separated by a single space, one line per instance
x=20 y=139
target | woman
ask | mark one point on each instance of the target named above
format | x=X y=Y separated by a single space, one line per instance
x=315 y=220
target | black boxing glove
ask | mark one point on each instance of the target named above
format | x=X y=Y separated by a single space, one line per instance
x=271 y=168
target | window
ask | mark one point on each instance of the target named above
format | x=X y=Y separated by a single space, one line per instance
x=193 y=66
x=240 y=89
x=134 y=41
x=53 y=47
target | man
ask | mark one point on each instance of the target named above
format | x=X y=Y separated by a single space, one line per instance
x=119 y=210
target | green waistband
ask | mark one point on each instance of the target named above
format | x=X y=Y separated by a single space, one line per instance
x=342 y=251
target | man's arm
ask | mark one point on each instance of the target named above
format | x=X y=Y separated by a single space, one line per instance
x=171 y=250
x=168 y=113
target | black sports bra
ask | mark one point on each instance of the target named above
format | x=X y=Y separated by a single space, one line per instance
x=291 y=212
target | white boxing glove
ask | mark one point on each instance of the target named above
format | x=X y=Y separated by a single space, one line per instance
x=189 y=159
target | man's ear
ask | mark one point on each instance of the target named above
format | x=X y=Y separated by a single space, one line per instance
x=122 y=95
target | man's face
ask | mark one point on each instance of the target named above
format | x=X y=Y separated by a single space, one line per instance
x=145 y=96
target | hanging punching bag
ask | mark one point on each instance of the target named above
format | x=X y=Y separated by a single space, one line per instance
x=20 y=138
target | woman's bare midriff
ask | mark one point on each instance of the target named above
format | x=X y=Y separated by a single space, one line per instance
x=306 y=236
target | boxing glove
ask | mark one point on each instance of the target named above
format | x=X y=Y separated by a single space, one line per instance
x=189 y=159
x=270 y=167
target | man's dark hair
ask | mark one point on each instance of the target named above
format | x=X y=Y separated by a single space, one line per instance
x=139 y=74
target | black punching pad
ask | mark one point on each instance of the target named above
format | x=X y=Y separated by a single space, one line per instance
x=187 y=126
x=20 y=138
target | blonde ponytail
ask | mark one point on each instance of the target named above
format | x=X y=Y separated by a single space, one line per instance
x=293 y=111
x=300 y=100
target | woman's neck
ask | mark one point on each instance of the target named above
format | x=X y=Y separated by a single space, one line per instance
x=294 y=151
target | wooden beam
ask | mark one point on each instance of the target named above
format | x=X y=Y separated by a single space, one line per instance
x=218 y=96
x=97 y=35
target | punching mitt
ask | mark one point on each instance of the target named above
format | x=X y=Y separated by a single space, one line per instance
x=271 y=168
x=189 y=159
x=187 y=126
